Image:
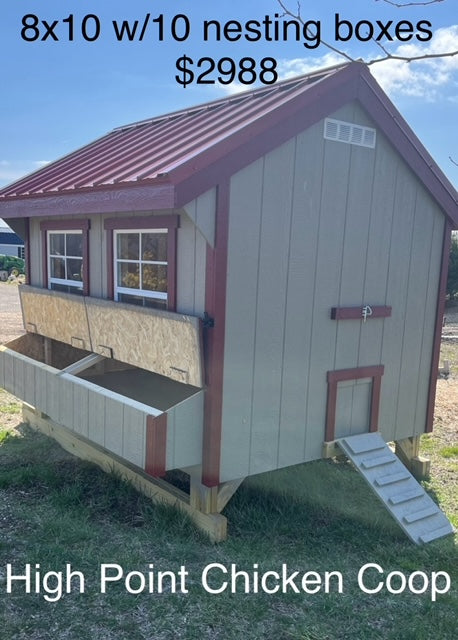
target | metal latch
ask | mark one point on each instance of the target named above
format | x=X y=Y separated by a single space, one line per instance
x=208 y=321
x=366 y=312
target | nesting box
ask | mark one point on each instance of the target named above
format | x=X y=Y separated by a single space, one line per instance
x=233 y=288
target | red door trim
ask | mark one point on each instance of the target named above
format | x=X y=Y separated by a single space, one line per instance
x=334 y=377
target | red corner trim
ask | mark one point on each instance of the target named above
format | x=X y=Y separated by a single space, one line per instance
x=374 y=372
x=215 y=304
x=110 y=265
x=28 y=272
x=356 y=313
x=156 y=444
x=438 y=328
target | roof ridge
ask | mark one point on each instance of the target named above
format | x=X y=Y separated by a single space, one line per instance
x=233 y=99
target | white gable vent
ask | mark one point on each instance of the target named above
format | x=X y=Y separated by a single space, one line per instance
x=350 y=133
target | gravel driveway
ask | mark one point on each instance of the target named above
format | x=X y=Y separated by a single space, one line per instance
x=10 y=313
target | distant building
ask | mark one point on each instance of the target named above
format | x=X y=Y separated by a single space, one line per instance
x=10 y=243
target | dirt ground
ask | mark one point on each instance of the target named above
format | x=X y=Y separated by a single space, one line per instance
x=10 y=313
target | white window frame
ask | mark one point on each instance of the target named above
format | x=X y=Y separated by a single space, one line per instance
x=139 y=293
x=75 y=284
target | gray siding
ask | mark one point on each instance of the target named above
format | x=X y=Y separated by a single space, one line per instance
x=317 y=224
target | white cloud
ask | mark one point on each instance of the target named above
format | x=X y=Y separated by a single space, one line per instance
x=428 y=78
x=299 y=66
x=40 y=163
x=422 y=78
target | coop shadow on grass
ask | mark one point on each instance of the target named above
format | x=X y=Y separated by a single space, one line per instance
x=320 y=501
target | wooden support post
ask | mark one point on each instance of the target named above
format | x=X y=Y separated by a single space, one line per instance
x=331 y=449
x=201 y=497
x=408 y=451
x=212 y=523
x=210 y=499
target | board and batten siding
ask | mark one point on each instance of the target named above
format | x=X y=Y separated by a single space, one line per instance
x=191 y=256
x=313 y=225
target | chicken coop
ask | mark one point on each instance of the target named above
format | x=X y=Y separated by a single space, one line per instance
x=239 y=287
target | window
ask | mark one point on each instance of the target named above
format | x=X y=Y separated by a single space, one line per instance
x=65 y=255
x=141 y=267
x=141 y=260
x=65 y=261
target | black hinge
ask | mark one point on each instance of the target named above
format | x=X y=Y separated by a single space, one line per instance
x=208 y=322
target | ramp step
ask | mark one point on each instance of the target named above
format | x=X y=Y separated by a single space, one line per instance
x=371 y=463
x=406 y=496
x=392 y=478
x=435 y=534
x=364 y=446
x=420 y=515
x=413 y=509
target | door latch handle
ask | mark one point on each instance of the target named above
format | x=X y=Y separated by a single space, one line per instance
x=366 y=312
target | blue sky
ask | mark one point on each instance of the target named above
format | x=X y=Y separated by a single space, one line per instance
x=57 y=96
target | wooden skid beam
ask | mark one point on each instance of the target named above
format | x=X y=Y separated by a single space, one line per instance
x=213 y=524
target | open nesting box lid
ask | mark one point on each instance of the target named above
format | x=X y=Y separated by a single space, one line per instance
x=167 y=343
x=126 y=378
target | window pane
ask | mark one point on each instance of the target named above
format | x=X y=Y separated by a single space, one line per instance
x=57 y=268
x=154 y=277
x=74 y=244
x=128 y=246
x=66 y=288
x=154 y=247
x=128 y=275
x=152 y=303
x=74 y=269
x=57 y=244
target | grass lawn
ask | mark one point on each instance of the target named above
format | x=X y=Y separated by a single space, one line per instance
x=57 y=511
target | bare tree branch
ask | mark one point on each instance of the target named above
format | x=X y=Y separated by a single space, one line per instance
x=452 y=160
x=410 y=4
x=298 y=17
x=426 y=56
x=387 y=55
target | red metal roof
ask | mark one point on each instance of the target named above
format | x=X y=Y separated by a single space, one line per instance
x=167 y=161
x=150 y=149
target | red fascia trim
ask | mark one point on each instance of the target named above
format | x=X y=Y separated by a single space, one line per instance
x=156 y=445
x=438 y=327
x=143 y=222
x=215 y=304
x=358 y=373
x=404 y=140
x=356 y=313
x=66 y=225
